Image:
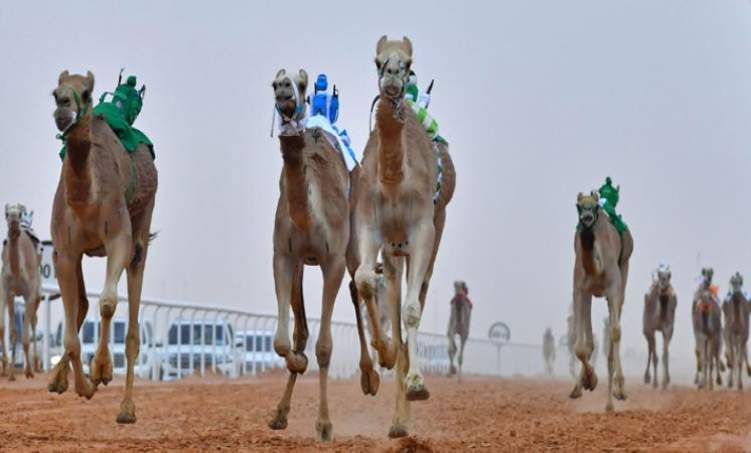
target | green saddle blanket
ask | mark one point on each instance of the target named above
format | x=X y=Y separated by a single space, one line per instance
x=615 y=218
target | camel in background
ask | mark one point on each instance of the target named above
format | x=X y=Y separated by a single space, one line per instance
x=708 y=332
x=102 y=207
x=659 y=315
x=20 y=278
x=600 y=270
x=548 y=351
x=735 y=310
x=461 y=312
x=400 y=211
x=707 y=274
x=311 y=228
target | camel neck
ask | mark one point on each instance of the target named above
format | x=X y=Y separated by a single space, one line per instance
x=295 y=186
x=587 y=237
x=13 y=258
x=390 y=127
x=76 y=174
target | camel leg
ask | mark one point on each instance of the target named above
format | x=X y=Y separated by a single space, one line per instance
x=369 y=378
x=288 y=283
x=423 y=240
x=654 y=360
x=402 y=412
x=333 y=272
x=587 y=379
x=745 y=358
x=135 y=270
x=666 y=336
x=4 y=370
x=365 y=279
x=119 y=252
x=730 y=358
x=10 y=303
x=717 y=361
x=68 y=271
x=650 y=352
x=452 y=349
x=615 y=305
x=393 y=270
x=460 y=359
x=26 y=337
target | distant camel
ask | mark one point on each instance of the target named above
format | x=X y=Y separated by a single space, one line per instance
x=736 y=312
x=548 y=351
x=659 y=315
x=461 y=312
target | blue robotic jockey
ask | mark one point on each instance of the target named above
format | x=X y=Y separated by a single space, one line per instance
x=324 y=112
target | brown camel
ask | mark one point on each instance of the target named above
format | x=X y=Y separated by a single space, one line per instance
x=311 y=228
x=601 y=270
x=399 y=213
x=735 y=312
x=102 y=207
x=659 y=315
x=461 y=313
x=20 y=278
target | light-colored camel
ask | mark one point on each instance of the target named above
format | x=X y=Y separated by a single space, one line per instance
x=461 y=313
x=659 y=315
x=600 y=270
x=548 y=351
x=735 y=310
x=605 y=336
x=707 y=320
x=311 y=228
x=20 y=278
x=705 y=286
x=398 y=212
x=102 y=207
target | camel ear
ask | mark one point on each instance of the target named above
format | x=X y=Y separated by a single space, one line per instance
x=579 y=197
x=280 y=73
x=303 y=79
x=63 y=75
x=90 y=81
x=381 y=43
x=407 y=45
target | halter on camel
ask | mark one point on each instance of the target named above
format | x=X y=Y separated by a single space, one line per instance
x=297 y=123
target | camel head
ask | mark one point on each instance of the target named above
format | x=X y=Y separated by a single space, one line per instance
x=393 y=60
x=460 y=287
x=588 y=207
x=289 y=93
x=663 y=278
x=72 y=98
x=736 y=283
x=14 y=213
x=706 y=275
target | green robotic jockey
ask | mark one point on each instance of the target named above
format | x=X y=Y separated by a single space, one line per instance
x=609 y=196
x=419 y=103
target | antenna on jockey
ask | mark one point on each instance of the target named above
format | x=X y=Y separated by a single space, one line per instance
x=142 y=91
x=120 y=77
x=430 y=87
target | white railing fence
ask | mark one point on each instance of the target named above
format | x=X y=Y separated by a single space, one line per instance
x=181 y=339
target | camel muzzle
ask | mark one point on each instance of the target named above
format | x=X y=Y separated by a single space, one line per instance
x=64 y=117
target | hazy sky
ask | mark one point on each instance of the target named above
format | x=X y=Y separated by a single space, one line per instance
x=539 y=100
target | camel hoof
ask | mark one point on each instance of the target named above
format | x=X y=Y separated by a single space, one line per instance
x=369 y=381
x=609 y=407
x=297 y=363
x=647 y=378
x=280 y=420
x=127 y=413
x=396 y=431
x=28 y=373
x=59 y=382
x=101 y=371
x=88 y=388
x=620 y=395
x=589 y=380
x=576 y=392
x=417 y=392
x=12 y=377
x=324 y=431
x=654 y=384
x=452 y=370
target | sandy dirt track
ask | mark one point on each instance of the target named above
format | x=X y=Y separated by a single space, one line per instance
x=481 y=414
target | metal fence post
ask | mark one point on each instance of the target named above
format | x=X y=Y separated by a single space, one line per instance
x=48 y=331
